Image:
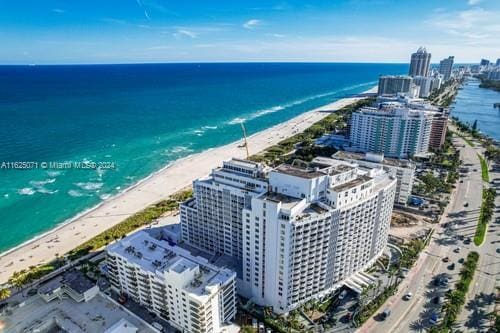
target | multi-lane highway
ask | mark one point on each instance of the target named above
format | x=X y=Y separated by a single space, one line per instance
x=449 y=244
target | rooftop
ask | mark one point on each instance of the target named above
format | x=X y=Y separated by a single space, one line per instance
x=96 y=315
x=352 y=183
x=160 y=257
x=299 y=172
x=334 y=167
x=287 y=202
x=73 y=279
x=345 y=155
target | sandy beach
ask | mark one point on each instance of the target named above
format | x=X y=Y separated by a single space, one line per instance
x=151 y=190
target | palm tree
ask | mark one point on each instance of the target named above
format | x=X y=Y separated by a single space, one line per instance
x=4 y=293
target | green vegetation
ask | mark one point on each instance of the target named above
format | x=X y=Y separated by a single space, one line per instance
x=489 y=84
x=247 y=329
x=4 y=293
x=445 y=95
x=142 y=218
x=431 y=184
x=369 y=309
x=411 y=252
x=26 y=276
x=410 y=255
x=492 y=152
x=484 y=169
x=455 y=299
x=446 y=159
x=487 y=206
x=301 y=146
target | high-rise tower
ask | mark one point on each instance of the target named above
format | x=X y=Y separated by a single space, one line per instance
x=420 y=63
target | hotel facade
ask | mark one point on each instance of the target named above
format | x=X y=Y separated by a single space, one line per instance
x=314 y=229
x=303 y=230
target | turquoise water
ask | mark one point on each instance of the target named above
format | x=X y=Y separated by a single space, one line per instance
x=474 y=103
x=138 y=118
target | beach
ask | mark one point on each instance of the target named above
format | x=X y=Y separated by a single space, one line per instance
x=150 y=190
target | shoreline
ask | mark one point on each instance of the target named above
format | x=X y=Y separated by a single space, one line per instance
x=149 y=190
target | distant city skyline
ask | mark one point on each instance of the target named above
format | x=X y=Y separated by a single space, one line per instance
x=137 y=31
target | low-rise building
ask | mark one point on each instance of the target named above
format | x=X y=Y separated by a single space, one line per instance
x=73 y=284
x=188 y=291
x=403 y=170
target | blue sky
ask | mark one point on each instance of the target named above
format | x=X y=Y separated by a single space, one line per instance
x=121 y=31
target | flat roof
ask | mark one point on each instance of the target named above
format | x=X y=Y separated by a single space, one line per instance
x=298 y=172
x=345 y=155
x=73 y=279
x=352 y=183
x=287 y=201
x=158 y=256
x=77 y=281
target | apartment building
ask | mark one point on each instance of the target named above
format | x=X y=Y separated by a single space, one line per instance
x=391 y=129
x=394 y=84
x=188 y=291
x=403 y=170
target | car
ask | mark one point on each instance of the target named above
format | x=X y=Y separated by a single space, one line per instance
x=446 y=259
x=157 y=325
x=498 y=250
x=466 y=204
x=436 y=300
x=461 y=237
x=441 y=281
x=461 y=260
x=407 y=296
x=467 y=241
x=456 y=250
x=386 y=313
x=451 y=266
x=434 y=318
x=343 y=295
x=32 y=292
x=474 y=170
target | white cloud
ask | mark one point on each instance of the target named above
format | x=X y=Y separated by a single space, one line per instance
x=58 y=11
x=473 y=2
x=276 y=35
x=472 y=26
x=251 y=24
x=185 y=33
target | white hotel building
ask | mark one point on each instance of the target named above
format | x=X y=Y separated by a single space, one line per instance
x=212 y=220
x=312 y=230
x=190 y=293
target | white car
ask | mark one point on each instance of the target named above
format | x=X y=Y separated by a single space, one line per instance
x=408 y=296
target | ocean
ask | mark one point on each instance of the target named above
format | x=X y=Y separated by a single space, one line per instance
x=474 y=103
x=132 y=120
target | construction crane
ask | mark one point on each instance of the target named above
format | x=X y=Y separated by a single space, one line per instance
x=245 y=138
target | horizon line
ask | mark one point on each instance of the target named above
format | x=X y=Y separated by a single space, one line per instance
x=213 y=62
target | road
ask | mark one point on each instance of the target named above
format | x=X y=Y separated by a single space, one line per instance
x=413 y=315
